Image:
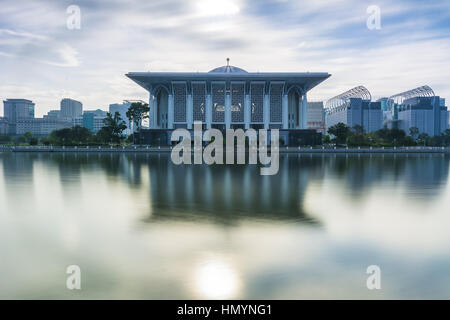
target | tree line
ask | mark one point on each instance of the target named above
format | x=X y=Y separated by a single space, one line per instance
x=341 y=134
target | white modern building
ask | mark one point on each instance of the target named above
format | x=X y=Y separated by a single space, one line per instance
x=354 y=108
x=228 y=97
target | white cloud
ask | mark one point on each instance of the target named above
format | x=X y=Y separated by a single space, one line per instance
x=67 y=55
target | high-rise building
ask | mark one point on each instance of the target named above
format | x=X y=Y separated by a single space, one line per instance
x=355 y=108
x=420 y=108
x=425 y=114
x=91 y=119
x=71 y=109
x=316 y=116
x=15 y=109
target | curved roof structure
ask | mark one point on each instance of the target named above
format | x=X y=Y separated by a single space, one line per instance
x=228 y=69
x=304 y=80
x=343 y=99
x=423 y=91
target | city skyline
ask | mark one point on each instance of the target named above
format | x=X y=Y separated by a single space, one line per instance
x=42 y=60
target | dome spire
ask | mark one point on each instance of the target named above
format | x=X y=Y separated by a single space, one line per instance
x=228 y=69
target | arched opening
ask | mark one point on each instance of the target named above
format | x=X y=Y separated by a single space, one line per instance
x=162 y=109
x=293 y=109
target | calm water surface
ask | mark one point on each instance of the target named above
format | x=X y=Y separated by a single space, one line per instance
x=140 y=227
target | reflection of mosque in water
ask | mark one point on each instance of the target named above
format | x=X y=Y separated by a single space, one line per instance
x=225 y=193
x=221 y=192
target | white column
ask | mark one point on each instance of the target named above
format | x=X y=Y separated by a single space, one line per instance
x=153 y=112
x=284 y=108
x=170 y=110
x=304 y=112
x=247 y=111
x=208 y=111
x=227 y=111
x=266 y=111
x=189 y=111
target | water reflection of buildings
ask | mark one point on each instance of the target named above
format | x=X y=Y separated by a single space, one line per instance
x=225 y=193
x=364 y=171
x=222 y=192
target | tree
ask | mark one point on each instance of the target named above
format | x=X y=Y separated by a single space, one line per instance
x=70 y=136
x=387 y=136
x=28 y=136
x=446 y=137
x=113 y=128
x=341 y=131
x=136 y=113
x=397 y=136
x=423 y=138
x=81 y=135
x=413 y=132
x=5 y=139
x=358 y=129
x=358 y=139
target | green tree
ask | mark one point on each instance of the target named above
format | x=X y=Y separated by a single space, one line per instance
x=423 y=139
x=5 y=139
x=358 y=129
x=28 y=136
x=136 y=113
x=414 y=132
x=409 y=141
x=113 y=128
x=341 y=132
x=388 y=137
x=71 y=136
x=33 y=141
x=358 y=139
x=397 y=136
x=446 y=137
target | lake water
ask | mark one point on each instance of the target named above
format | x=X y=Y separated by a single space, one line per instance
x=140 y=227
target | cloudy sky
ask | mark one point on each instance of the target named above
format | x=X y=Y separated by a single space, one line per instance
x=43 y=60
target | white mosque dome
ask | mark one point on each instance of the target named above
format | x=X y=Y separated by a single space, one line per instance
x=228 y=69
